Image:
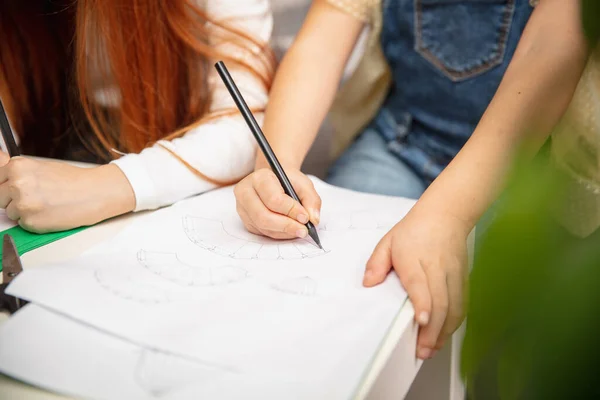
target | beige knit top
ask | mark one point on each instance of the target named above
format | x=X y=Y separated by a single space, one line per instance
x=360 y=97
x=576 y=153
x=575 y=141
x=360 y=9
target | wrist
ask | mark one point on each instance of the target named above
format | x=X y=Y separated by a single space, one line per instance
x=443 y=217
x=261 y=162
x=113 y=194
x=286 y=163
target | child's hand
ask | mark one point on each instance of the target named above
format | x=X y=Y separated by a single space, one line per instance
x=46 y=196
x=429 y=254
x=266 y=210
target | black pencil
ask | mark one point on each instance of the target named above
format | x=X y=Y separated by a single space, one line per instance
x=262 y=142
x=7 y=133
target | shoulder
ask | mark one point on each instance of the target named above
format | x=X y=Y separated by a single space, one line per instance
x=254 y=17
x=225 y=9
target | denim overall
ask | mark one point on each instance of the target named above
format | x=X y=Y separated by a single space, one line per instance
x=447 y=59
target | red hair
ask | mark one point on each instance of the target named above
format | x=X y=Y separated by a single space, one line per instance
x=156 y=53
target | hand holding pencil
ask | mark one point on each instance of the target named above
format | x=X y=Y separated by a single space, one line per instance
x=266 y=210
x=271 y=158
x=46 y=196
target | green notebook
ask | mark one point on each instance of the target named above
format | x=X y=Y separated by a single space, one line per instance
x=27 y=241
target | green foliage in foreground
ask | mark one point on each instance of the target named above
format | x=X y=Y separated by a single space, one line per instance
x=590 y=14
x=534 y=301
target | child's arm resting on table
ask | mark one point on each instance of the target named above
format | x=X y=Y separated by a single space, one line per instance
x=427 y=248
x=303 y=90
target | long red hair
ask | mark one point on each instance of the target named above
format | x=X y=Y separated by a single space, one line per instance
x=55 y=55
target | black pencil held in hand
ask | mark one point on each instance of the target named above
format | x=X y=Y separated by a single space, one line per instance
x=7 y=133
x=262 y=142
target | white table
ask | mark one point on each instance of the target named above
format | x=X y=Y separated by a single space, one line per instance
x=395 y=374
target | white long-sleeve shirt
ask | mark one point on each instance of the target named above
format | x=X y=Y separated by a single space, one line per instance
x=222 y=149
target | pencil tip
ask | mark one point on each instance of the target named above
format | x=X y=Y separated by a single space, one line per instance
x=313 y=234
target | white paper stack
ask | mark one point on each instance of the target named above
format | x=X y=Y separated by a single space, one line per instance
x=185 y=303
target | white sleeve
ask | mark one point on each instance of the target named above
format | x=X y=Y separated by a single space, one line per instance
x=222 y=149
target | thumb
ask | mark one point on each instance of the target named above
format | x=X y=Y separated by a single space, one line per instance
x=380 y=263
x=309 y=198
x=4 y=159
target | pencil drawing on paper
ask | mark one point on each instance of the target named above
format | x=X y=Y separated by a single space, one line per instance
x=168 y=266
x=301 y=286
x=130 y=286
x=213 y=236
x=139 y=284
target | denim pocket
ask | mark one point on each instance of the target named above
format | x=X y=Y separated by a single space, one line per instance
x=462 y=38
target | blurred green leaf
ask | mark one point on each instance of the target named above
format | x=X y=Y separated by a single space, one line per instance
x=534 y=306
x=533 y=320
x=513 y=381
x=510 y=258
x=590 y=14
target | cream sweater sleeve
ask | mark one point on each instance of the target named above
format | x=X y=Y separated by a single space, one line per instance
x=222 y=149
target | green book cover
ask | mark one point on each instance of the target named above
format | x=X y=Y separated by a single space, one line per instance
x=27 y=241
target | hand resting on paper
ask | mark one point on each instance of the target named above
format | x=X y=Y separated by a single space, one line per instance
x=45 y=196
x=266 y=210
x=428 y=251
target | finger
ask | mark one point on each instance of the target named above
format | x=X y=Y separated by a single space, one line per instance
x=273 y=196
x=240 y=191
x=456 y=307
x=247 y=221
x=252 y=229
x=380 y=263
x=428 y=336
x=309 y=198
x=15 y=167
x=4 y=159
x=276 y=235
x=267 y=221
x=11 y=211
x=4 y=173
x=5 y=195
x=414 y=280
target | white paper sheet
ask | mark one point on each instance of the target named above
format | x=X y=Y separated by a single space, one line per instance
x=59 y=354
x=191 y=281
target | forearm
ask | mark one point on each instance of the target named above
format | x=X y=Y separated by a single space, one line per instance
x=531 y=99
x=307 y=81
x=114 y=193
x=216 y=153
x=298 y=103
